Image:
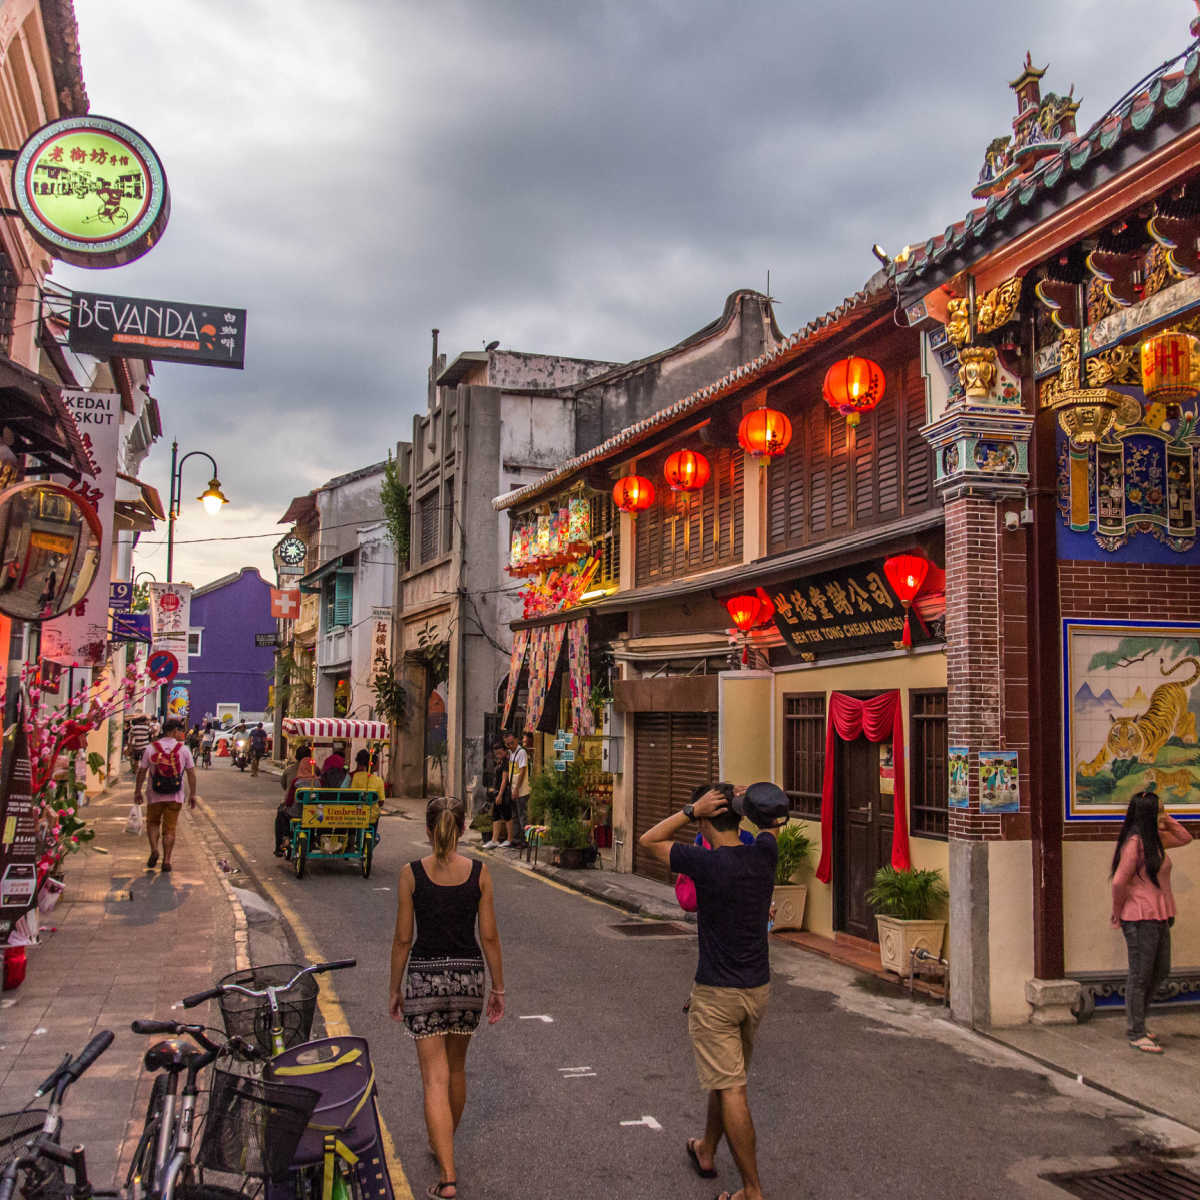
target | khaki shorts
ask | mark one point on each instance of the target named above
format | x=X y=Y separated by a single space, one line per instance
x=164 y=812
x=721 y=1023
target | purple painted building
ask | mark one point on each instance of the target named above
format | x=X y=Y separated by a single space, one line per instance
x=224 y=665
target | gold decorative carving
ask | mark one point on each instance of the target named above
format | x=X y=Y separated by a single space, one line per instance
x=992 y=310
x=1085 y=414
x=977 y=371
x=1121 y=364
x=999 y=306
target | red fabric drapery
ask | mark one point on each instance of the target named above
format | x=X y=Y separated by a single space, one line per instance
x=879 y=718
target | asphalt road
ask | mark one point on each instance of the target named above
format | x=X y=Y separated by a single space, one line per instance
x=586 y=1088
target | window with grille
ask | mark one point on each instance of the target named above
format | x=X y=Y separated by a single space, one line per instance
x=928 y=814
x=606 y=544
x=427 y=518
x=804 y=751
x=447 y=517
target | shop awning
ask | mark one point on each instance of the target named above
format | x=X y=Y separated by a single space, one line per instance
x=335 y=727
x=137 y=505
x=34 y=409
x=343 y=562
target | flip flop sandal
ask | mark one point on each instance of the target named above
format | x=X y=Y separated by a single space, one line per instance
x=1147 y=1046
x=434 y=1191
x=701 y=1171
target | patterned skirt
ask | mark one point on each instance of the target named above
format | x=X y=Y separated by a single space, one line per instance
x=443 y=995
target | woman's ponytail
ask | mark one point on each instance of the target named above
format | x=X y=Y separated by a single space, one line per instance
x=445 y=819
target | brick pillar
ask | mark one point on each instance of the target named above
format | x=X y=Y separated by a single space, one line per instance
x=974 y=678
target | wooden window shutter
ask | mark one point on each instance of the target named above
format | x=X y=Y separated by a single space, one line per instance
x=887 y=455
x=818 y=469
x=918 y=456
x=343 y=598
x=865 y=442
x=839 y=473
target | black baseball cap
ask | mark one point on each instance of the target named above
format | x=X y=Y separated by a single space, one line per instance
x=764 y=803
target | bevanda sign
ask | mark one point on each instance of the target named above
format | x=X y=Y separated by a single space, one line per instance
x=165 y=330
x=92 y=191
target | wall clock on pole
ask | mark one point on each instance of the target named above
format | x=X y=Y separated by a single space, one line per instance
x=292 y=550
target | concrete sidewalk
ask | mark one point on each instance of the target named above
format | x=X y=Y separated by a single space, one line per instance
x=124 y=942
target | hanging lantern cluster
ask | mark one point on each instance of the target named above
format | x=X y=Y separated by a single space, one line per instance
x=1170 y=367
x=551 y=539
x=906 y=573
x=686 y=471
x=853 y=386
x=765 y=433
x=748 y=612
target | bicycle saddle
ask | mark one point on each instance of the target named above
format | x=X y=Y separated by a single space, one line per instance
x=172 y=1054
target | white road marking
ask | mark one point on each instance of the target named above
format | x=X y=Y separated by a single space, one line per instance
x=538 y=1017
x=648 y=1121
x=576 y=1072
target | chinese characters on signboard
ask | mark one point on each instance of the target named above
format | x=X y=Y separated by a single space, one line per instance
x=838 y=610
x=381 y=620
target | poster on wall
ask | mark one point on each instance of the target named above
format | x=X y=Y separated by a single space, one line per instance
x=80 y=638
x=1131 y=694
x=998 y=791
x=887 y=770
x=170 y=617
x=958 y=795
x=178 y=700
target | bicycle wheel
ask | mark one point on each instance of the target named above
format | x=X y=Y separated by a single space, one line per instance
x=367 y=853
x=301 y=859
x=142 y=1166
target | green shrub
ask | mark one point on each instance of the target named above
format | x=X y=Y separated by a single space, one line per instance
x=794 y=848
x=908 y=895
x=569 y=833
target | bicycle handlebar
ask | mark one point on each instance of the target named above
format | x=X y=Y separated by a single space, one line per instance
x=198 y=998
x=91 y=1052
x=337 y=964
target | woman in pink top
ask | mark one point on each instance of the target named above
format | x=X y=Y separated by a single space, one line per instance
x=1143 y=906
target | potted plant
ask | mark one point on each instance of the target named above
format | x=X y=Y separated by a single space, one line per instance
x=559 y=799
x=789 y=898
x=905 y=903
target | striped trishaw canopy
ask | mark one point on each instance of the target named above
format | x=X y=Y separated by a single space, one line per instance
x=335 y=727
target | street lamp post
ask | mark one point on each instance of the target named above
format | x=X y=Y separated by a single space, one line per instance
x=212 y=498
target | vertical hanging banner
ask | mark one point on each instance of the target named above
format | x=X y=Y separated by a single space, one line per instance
x=80 y=638
x=18 y=835
x=170 y=616
x=381 y=637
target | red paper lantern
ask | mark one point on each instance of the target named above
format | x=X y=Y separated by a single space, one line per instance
x=686 y=471
x=1170 y=367
x=632 y=493
x=744 y=611
x=906 y=573
x=853 y=386
x=765 y=432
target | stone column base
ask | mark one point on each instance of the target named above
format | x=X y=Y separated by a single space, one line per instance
x=1052 y=1000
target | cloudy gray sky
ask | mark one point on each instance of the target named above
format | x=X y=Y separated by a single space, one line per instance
x=588 y=179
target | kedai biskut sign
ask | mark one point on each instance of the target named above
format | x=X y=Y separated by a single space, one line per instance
x=92 y=191
x=165 y=330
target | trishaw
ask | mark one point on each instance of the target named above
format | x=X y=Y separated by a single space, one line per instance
x=334 y=822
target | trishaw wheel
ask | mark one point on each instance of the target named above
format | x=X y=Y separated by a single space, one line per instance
x=367 y=854
x=300 y=861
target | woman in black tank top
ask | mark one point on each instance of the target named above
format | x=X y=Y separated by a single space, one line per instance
x=443 y=895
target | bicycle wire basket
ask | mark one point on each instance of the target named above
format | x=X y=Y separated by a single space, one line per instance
x=252 y=1126
x=16 y=1129
x=249 y=1017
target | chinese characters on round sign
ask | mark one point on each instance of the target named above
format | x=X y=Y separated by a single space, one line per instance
x=92 y=191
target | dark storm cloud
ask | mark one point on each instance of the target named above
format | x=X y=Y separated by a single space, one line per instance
x=589 y=179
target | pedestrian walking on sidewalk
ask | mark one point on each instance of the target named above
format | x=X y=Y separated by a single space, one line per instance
x=168 y=763
x=139 y=739
x=443 y=895
x=734 y=885
x=1143 y=906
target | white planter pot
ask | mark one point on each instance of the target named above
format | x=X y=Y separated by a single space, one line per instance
x=898 y=939
x=789 y=905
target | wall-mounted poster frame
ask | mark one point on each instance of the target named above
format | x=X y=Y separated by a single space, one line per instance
x=1131 y=698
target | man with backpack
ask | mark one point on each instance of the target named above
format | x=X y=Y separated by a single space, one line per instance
x=258 y=746
x=167 y=762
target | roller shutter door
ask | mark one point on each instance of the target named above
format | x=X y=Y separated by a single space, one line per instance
x=673 y=753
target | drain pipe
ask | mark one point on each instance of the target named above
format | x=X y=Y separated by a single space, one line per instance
x=923 y=956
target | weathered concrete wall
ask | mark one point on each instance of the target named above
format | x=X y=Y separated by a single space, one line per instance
x=344 y=504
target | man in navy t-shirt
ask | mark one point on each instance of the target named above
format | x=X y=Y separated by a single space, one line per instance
x=734 y=885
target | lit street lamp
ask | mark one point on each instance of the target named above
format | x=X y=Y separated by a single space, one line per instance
x=212 y=498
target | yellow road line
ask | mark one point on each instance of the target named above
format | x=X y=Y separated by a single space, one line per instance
x=532 y=874
x=333 y=1015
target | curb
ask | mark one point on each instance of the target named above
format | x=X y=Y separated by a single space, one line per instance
x=241 y=927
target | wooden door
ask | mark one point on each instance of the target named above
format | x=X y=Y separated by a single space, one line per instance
x=673 y=753
x=863 y=837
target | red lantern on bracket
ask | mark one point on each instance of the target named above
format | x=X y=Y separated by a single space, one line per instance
x=765 y=432
x=686 y=471
x=853 y=386
x=906 y=573
x=632 y=493
x=746 y=613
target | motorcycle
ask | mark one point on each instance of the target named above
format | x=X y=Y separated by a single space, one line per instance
x=241 y=752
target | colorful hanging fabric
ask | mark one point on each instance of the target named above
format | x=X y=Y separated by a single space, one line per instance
x=879 y=719
x=520 y=644
x=583 y=720
x=543 y=662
